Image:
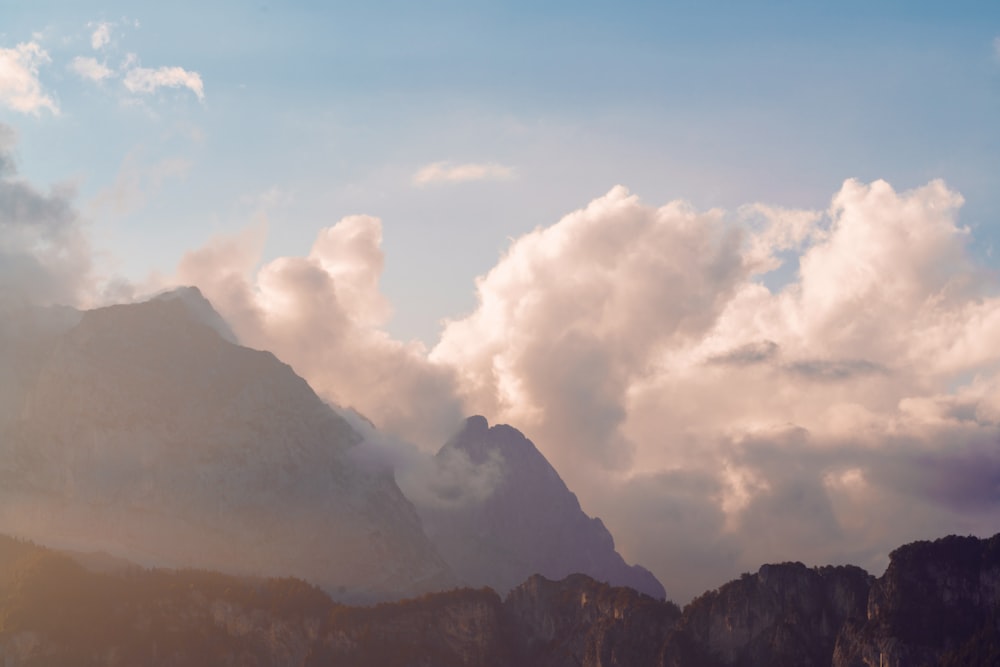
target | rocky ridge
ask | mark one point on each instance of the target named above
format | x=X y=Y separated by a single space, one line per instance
x=936 y=605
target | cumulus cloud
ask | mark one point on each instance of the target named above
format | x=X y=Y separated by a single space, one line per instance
x=20 y=88
x=715 y=422
x=144 y=80
x=89 y=68
x=322 y=313
x=446 y=172
x=44 y=254
x=627 y=339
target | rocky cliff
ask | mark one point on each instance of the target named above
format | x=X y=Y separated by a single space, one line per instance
x=579 y=621
x=785 y=614
x=938 y=603
x=526 y=522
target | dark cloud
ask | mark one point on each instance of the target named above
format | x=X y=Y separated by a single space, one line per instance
x=44 y=255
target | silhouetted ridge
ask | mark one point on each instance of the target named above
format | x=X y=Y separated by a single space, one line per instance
x=785 y=615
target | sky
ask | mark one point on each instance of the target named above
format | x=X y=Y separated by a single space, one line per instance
x=730 y=265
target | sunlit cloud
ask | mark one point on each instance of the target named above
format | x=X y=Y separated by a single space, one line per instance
x=854 y=408
x=20 y=88
x=144 y=80
x=89 y=68
x=446 y=172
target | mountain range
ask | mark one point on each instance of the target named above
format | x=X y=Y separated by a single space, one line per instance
x=147 y=431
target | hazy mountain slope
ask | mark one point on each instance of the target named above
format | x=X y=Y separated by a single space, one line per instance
x=148 y=434
x=526 y=522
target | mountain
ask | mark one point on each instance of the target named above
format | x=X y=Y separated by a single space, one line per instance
x=936 y=605
x=785 y=614
x=148 y=433
x=525 y=521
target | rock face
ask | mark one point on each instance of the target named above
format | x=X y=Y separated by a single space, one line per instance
x=578 y=621
x=938 y=603
x=526 y=522
x=785 y=614
x=147 y=433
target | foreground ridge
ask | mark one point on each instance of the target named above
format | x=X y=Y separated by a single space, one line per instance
x=936 y=605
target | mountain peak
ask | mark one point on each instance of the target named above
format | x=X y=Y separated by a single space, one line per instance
x=530 y=522
x=199 y=307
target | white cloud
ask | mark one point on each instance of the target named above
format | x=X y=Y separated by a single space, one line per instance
x=446 y=172
x=20 y=88
x=90 y=69
x=322 y=314
x=637 y=344
x=144 y=80
x=101 y=36
x=713 y=422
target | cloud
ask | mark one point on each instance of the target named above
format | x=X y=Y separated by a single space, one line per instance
x=143 y=80
x=20 y=88
x=101 y=36
x=713 y=421
x=136 y=182
x=636 y=344
x=322 y=314
x=446 y=172
x=89 y=68
x=44 y=253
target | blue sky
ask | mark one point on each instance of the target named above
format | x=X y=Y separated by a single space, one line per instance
x=800 y=363
x=331 y=108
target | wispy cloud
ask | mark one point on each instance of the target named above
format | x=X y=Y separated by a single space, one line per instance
x=446 y=172
x=101 y=36
x=144 y=80
x=89 y=68
x=20 y=88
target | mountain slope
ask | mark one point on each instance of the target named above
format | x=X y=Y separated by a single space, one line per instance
x=148 y=434
x=527 y=522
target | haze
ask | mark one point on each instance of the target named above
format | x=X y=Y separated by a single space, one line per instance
x=731 y=269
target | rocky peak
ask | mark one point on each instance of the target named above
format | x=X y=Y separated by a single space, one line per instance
x=529 y=522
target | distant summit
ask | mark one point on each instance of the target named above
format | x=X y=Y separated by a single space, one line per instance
x=528 y=523
x=199 y=307
x=148 y=433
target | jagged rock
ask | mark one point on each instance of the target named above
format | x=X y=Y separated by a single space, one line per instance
x=579 y=621
x=785 y=614
x=938 y=603
x=526 y=522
